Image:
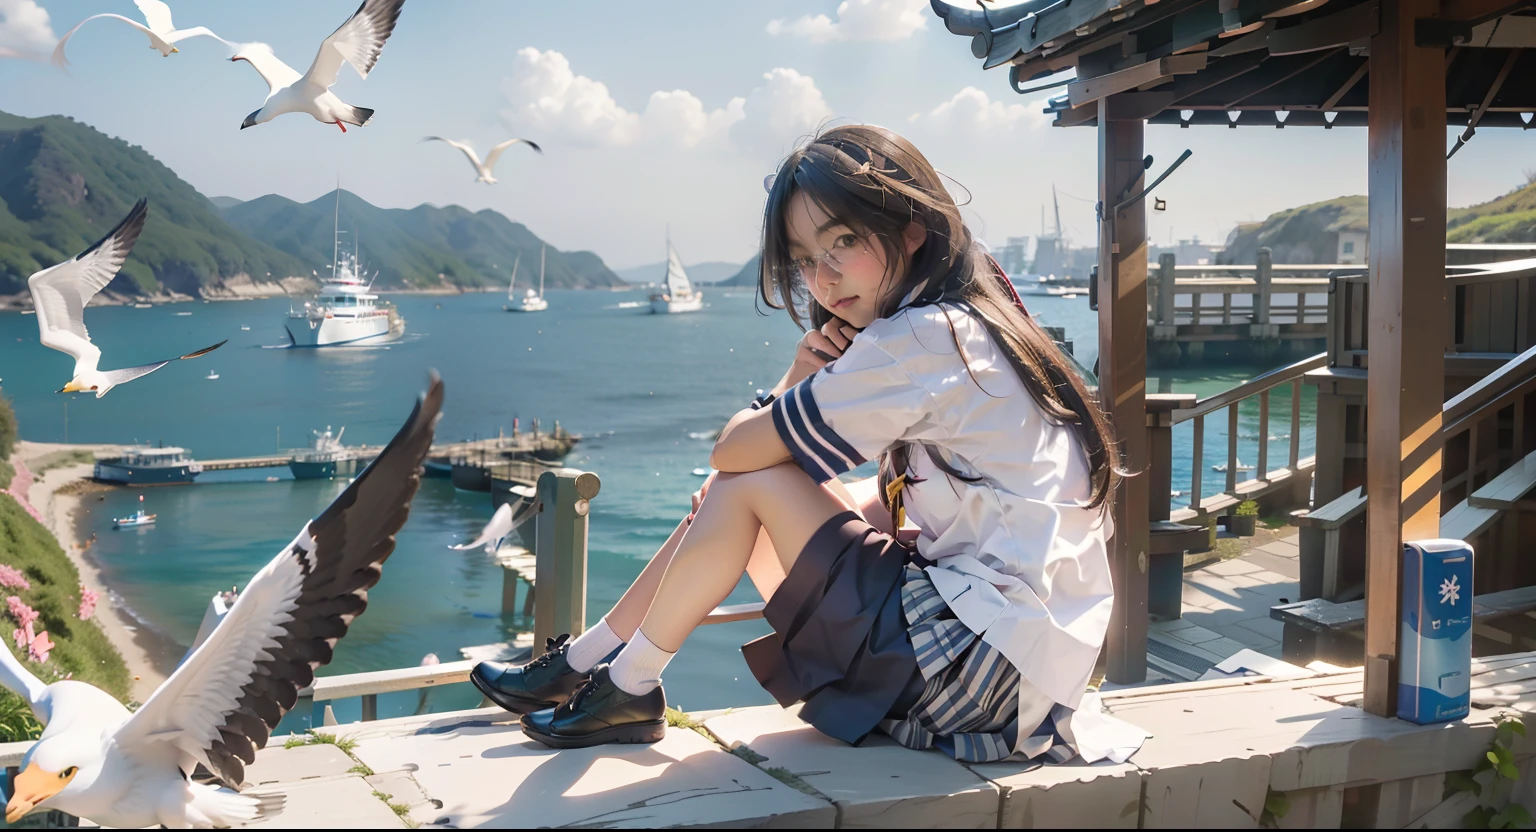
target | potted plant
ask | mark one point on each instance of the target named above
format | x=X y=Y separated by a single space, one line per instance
x=1243 y=519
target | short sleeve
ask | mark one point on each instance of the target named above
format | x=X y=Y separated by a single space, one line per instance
x=852 y=411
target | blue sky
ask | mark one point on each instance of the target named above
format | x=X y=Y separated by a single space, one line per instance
x=655 y=114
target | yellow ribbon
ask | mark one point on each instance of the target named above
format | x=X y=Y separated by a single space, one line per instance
x=892 y=498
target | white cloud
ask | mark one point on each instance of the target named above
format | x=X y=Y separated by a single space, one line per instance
x=24 y=28
x=786 y=107
x=545 y=95
x=972 y=110
x=858 y=20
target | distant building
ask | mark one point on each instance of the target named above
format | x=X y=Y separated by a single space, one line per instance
x=1013 y=256
x=1190 y=252
x=1351 y=247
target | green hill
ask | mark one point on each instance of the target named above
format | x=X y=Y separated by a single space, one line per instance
x=747 y=276
x=64 y=184
x=1509 y=219
x=412 y=247
x=1308 y=234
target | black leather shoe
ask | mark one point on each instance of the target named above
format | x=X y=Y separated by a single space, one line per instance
x=600 y=713
x=542 y=683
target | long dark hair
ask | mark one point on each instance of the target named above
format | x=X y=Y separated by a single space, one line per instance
x=877 y=184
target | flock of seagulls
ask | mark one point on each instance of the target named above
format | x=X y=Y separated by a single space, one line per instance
x=358 y=42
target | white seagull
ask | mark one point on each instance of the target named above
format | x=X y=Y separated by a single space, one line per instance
x=484 y=170
x=60 y=294
x=98 y=761
x=163 y=35
x=502 y=523
x=358 y=42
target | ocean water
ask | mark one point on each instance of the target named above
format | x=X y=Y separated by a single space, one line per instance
x=645 y=391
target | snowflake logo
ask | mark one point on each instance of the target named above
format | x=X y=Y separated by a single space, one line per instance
x=1450 y=590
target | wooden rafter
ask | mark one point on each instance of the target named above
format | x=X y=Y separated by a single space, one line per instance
x=1477 y=115
x=1338 y=94
x=1285 y=76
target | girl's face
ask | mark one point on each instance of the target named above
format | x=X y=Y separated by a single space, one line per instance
x=844 y=270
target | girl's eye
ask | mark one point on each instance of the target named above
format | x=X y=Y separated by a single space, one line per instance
x=845 y=241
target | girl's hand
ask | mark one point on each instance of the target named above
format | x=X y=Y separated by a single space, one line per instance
x=820 y=347
x=698 y=496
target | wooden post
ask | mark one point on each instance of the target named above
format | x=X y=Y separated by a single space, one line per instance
x=1407 y=331
x=560 y=553
x=1166 y=277
x=1261 y=275
x=1123 y=381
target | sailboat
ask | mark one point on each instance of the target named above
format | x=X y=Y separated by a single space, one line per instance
x=531 y=301
x=678 y=294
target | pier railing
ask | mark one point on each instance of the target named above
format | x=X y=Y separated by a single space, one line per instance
x=1255 y=284
x=1265 y=477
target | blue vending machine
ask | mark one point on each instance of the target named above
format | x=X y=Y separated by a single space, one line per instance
x=1435 y=635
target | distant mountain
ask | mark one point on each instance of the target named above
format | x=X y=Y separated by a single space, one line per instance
x=224 y=201
x=747 y=275
x=710 y=271
x=1309 y=234
x=420 y=247
x=64 y=184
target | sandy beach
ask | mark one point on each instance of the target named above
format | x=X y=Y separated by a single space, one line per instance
x=143 y=651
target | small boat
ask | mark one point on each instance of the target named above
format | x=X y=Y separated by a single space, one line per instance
x=212 y=374
x=245 y=329
x=183 y=314
x=143 y=306
x=325 y=459
x=701 y=472
x=531 y=301
x=1221 y=468
x=134 y=520
x=29 y=311
x=678 y=294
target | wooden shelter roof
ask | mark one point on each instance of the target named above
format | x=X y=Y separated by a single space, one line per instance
x=1245 y=62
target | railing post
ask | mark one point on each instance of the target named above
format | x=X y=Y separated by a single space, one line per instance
x=560 y=552
x=1167 y=276
x=1261 y=294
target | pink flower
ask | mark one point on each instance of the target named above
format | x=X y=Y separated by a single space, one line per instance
x=88 y=601
x=23 y=614
x=12 y=578
x=23 y=636
x=38 y=650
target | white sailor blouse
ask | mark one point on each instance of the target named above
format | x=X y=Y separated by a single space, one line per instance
x=1016 y=554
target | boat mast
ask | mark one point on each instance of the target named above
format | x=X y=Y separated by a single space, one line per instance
x=513 y=285
x=1056 y=204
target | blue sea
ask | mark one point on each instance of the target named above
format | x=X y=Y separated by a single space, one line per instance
x=645 y=391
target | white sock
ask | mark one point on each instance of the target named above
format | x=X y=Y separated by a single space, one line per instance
x=637 y=670
x=591 y=647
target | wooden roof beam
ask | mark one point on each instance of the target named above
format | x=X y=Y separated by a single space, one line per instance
x=1338 y=29
x=1477 y=115
x=1283 y=77
x=1338 y=94
x=1162 y=70
x=1478 y=11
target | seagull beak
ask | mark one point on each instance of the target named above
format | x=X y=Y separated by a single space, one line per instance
x=175 y=50
x=72 y=387
x=250 y=120
x=32 y=787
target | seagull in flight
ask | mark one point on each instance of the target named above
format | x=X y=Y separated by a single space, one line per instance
x=358 y=42
x=501 y=524
x=163 y=35
x=484 y=169
x=128 y=770
x=60 y=294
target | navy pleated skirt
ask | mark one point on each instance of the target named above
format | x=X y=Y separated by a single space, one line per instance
x=840 y=643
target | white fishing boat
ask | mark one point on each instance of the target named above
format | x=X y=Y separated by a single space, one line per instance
x=346 y=312
x=138 y=518
x=1221 y=468
x=678 y=294
x=530 y=301
x=212 y=374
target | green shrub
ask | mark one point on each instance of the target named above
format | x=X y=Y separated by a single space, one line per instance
x=7 y=431
x=1247 y=508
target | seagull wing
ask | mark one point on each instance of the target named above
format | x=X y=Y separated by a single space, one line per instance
x=196 y=31
x=20 y=681
x=58 y=51
x=157 y=14
x=127 y=374
x=499 y=525
x=270 y=67
x=490 y=158
x=60 y=293
x=222 y=702
x=358 y=42
x=468 y=150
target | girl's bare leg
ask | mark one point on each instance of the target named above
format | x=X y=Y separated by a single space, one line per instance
x=713 y=554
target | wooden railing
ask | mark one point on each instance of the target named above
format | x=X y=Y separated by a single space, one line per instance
x=1258 y=282
x=1488 y=427
x=1261 y=388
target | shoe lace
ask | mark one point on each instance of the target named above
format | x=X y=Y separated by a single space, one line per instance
x=553 y=647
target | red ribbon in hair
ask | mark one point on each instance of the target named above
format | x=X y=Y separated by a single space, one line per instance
x=997 y=269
